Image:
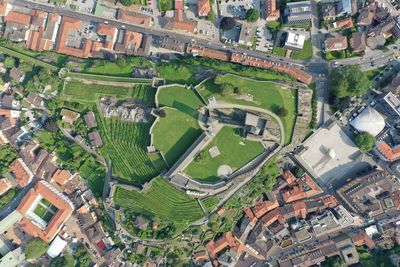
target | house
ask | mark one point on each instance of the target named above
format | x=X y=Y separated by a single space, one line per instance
x=204 y=7
x=295 y=41
x=298 y=13
x=22 y=173
x=17 y=25
x=178 y=22
x=128 y=42
x=343 y=24
x=43 y=31
x=366 y=16
x=35 y=100
x=246 y=36
x=133 y=17
x=17 y=75
x=271 y=11
x=95 y=139
x=357 y=41
x=141 y=223
x=39 y=224
x=5 y=185
x=90 y=120
x=61 y=176
x=69 y=116
x=336 y=43
x=336 y=8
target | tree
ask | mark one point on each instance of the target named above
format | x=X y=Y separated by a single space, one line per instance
x=349 y=81
x=127 y=2
x=59 y=261
x=227 y=23
x=281 y=112
x=9 y=62
x=219 y=79
x=35 y=248
x=7 y=155
x=82 y=257
x=252 y=15
x=227 y=89
x=365 y=141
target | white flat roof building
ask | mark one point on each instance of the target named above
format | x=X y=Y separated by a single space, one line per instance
x=295 y=41
x=370 y=121
x=328 y=154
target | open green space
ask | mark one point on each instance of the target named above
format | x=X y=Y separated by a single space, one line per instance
x=77 y=91
x=235 y=152
x=45 y=212
x=120 y=67
x=107 y=78
x=210 y=202
x=166 y=5
x=305 y=53
x=187 y=70
x=178 y=129
x=268 y=95
x=161 y=200
x=157 y=161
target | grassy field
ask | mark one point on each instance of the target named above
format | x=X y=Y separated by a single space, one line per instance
x=210 y=203
x=185 y=70
x=166 y=5
x=305 y=53
x=157 y=161
x=266 y=95
x=235 y=152
x=179 y=129
x=77 y=91
x=121 y=67
x=125 y=143
x=161 y=200
x=107 y=78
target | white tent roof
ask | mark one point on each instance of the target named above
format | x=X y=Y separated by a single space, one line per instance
x=56 y=247
x=370 y=121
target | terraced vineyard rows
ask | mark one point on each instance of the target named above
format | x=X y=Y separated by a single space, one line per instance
x=125 y=144
x=161 y=200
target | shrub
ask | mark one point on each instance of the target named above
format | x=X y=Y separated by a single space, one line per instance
x=365 y=141
x=252 y=15
x=35 y=248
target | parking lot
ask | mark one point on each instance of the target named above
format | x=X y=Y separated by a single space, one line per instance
x=238 y=8
x=264 y=40
x=86 y=6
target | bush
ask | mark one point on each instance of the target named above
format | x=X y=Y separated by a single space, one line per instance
x=282 y=112
x=252 y=15
x=227 y=23
x=127 y=2
x=35 y=248
x=227 y=89
x=9 y=62
x=365 y=141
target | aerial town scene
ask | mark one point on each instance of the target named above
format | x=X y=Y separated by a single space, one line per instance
x=232 y=133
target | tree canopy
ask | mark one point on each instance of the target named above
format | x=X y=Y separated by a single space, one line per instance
x=7 y=155
x=35 y=248
x=365 y=141
x=282 y=112
x=9 y=62
x=252 y=15
x=127 y=2
x=349 y=81
x=227 y=23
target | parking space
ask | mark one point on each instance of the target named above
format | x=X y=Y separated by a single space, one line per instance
x=231 y=36
x=238 y=8
x=86 y=6
x=264 y=41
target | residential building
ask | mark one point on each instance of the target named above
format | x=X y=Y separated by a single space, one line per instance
x=17 y=25
x=295 y=41
x=388 y=152
x=203 y=7
x=178 y=21
x=90 y=120
x=128 y=42
x=44 y=225
x=5 y=185
x=95 y=139
x=393 y=102
x=271 y=10
x=298 y=12
x=23 y=174
x=343 y=24
x=43 y=31
x=134 y=17
x=357 y=41
x=366 y=16
x=335 y=43
x=302 y=188
x=69 y=116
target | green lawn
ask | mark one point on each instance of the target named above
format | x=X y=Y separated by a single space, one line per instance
x=161 y=200
x=45 y=213
x=121 y=67
x=157 y=161
x=166 y=5
x=107 y=78
x=266 y=95
x=235 y=152
x=77 y=91
x=174 y=133
x=210 y=202
x=279 y=51
x=305 y=53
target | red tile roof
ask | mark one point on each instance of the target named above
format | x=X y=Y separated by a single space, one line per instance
x=110 y=32
x=4 y=185
x=271 y=12
x=57 y=199
x=12 y=115
x=289 y=177
x=263 y=207
x=3 y=7
x=21 y=171
x=205 y=52
x=303 y=188
x=204 y=7
x=271 y=217
x=388 y=152
x=300 y=209
x=68 y=24
x=134 y=18
x=344 y=23
x=19 y=18
x=62 y=176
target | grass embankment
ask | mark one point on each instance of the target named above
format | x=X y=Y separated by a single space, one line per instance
x=174 y=133
x=120 y=67
x=161 y=200
x=210 y=202
x=107 y=78
x=187 y=70
x=265 y=94
x=235 y=152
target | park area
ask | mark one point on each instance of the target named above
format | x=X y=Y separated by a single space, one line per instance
x=161 y=200
x=45 y=210
x=178 y=129
x=263 y=94
x=233 y=151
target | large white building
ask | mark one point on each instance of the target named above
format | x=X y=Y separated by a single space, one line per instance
x=370 y=121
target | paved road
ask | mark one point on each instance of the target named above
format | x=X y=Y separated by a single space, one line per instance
x=153 y=31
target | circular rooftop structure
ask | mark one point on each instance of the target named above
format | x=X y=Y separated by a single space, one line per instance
x=370 y=121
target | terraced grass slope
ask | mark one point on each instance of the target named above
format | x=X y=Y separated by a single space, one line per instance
x=125 y=142
x=265 y=94
x=174 y=133
x=161 y=200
